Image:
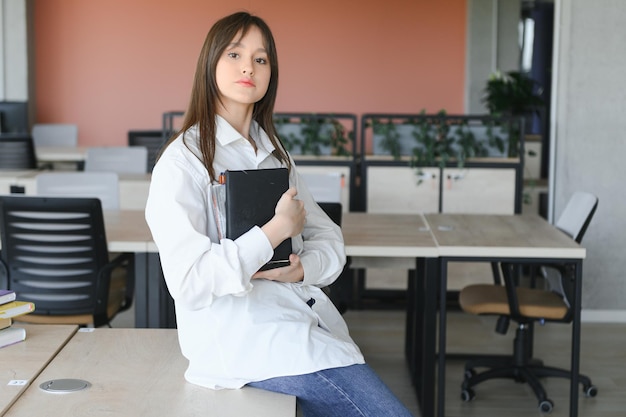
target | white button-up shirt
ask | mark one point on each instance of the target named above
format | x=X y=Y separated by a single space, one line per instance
x=234 y=330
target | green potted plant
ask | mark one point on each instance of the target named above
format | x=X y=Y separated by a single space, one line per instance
x=314 y=135
x=434 y=140
x=512 y=94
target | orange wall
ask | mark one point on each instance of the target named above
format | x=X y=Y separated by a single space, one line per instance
x=111 y=66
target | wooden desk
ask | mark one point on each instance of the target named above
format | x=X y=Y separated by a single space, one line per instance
x=403 y=241
x=138 y=372
x=10 y=178
x=430 y=242
x=127 y=231
x=21 y=363
x=368 y=238
x=60 y=153
x=368 y=235
x=133 y=188
x=134 y=191
x=512 y=238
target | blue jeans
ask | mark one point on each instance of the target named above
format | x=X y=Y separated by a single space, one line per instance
x=351 y=391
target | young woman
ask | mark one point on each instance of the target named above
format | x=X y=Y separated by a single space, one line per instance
x=237 y=325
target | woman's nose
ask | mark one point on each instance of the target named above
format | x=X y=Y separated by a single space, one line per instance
x=247 y=69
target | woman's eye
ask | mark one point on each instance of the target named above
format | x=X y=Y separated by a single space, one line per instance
x=261 y=61
x=233 y=55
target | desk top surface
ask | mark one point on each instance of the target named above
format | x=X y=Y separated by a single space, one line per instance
x=404 y=235
x=519 y=236
x=127 y=231
x=138 y=372
x=60 y=153
x=25 y=360
x=387 y=235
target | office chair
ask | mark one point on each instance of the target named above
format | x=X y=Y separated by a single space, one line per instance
x=17 y=151
x=120 y=159
x=338 y=291
x=55 y=134
x=101 y=185
x=527 y=305
x=151 y=139
x=54 y=254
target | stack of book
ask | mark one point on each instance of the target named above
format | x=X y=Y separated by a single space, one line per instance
x=9 y=308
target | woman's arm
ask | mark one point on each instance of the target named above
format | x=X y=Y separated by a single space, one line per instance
x=197 y=266
x=322 y=256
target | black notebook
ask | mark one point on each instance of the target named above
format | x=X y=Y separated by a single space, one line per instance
x=251 y=198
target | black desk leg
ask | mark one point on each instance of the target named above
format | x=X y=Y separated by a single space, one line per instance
x=425 y=334
x=574 y=271
x=141 y=290
x=441 y=348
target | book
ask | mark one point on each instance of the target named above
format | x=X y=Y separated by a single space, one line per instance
x=251 y=198
x=6 y=296
x=4 y=323
x=11 y=336
x=16 y=308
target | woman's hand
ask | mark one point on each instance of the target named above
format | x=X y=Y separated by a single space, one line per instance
x=288 y=220
x=292 y=273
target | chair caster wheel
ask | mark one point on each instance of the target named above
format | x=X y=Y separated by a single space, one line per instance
x=590 y=391
x=546 y=406
x=467 y=395
x=469 y=373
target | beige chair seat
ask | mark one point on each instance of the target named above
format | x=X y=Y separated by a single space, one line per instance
x=492 y=299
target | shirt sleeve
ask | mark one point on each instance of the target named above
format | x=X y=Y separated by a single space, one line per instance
x=197 y=266
x=323 y=254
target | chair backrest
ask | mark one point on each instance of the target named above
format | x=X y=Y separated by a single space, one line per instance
x=54 y=249
x=151 y=139
x=577 y=215
x=101 y=185
x=17 y=152
x=573 y=221
x=333 y=210
x=120 y=159
x=55 y=134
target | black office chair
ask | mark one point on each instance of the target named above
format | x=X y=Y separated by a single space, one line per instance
x=151 y=139
x=54 y=254
x=527 y=305
x=338 y=291
x=17 y=151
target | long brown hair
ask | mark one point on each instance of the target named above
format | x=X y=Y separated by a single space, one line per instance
x=205 y=93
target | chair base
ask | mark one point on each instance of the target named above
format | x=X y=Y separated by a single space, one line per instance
x=520 y=368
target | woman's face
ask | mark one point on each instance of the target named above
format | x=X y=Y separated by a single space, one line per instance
x=243 y=71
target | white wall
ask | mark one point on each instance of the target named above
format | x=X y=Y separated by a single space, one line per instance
x=589 y=131
x=492 y=44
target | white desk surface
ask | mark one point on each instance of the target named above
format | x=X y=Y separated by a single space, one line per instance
x=60 y=153
x=25 y=360
x=518 y=236
x=138 y=372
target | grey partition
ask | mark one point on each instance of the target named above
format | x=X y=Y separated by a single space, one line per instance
x=431 y=145
x=323 y=143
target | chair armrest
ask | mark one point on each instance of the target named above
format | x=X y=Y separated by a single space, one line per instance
x=4 y=275
x=124 y=260
x=510 y=284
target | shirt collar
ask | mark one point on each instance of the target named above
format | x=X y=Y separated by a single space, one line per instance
x=227 y=134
